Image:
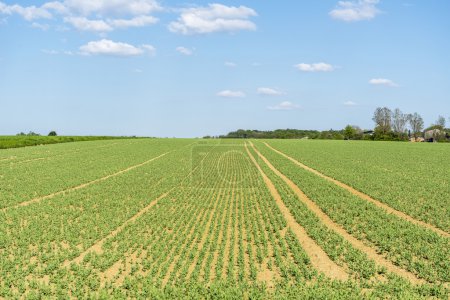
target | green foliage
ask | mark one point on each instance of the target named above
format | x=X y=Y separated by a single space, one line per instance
x=33 y=139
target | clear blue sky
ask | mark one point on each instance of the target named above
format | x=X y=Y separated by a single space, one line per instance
x=187 y=69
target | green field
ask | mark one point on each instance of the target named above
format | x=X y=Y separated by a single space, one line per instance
x=17 y=141
x=227 y=219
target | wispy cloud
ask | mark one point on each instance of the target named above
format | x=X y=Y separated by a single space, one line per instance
x=29 y=13
x=140 y=21
x=185 y=51
x=285 y=105
x=40 y=26
x=230 y=64
x=383 y=81
x=231 y=94
x=352 y=11
x=82 y=23
x=265 y=91
x=317 y=67
x=350 y=103
x=214 y=18
x=108 y=47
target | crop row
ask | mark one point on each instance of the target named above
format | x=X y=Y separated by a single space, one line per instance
x=21 y=182
x=409 y=246
x=37 y=239
x=412 y=178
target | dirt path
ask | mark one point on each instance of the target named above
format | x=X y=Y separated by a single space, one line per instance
x=97 y=247
x=370 y=252
x=366 y=197
x=319 y=259
x=81 y=186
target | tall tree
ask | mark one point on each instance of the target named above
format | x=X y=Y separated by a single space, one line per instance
x=416 y=123
x=383 y=119
x=441 y=122
x=399 y=121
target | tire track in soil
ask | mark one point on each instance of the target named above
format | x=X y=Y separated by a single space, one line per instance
x=81 y=186
x=319 y=259
x=370 y=252
x=364 y=196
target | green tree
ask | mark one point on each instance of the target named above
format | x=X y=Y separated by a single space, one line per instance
x=52 y=133
x=349 y=132
x=416 y=124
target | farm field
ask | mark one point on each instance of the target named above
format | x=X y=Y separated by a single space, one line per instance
x=17 y=141
x=230 y=219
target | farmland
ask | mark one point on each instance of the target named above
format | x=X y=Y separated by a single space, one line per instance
x=181 y=218
x=18 y=141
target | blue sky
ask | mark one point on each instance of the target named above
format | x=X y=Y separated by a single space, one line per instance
x=188 y=69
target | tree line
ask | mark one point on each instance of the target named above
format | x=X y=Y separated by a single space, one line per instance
x=390 y=125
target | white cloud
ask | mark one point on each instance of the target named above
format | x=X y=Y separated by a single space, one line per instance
x=231 y=94
x=149 y=49
x=350 y=103
x=140 y=21
x=230 y=64
x=112 y=7
x=214 y=18
x=184 y=51
x=108 y=47
x=82 y=23
x=269 y=92
x=29 y=13
x=318 y=67
x=358 y=10
x=383 y=81
x=56 y=6
x=90 y=15
x=285 y=105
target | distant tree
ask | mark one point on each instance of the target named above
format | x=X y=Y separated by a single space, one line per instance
x=416 y=123
x=352 y=132
x=440 y=122
x=52 y=133
x=383 y=119
x=349 y=132
x=399 y=121
x=21 y=134
x=31 y=133
x=359 y=133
